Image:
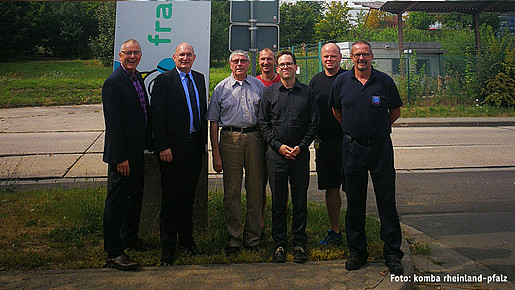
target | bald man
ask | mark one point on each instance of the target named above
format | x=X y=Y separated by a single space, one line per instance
x=328 y=145
x=179 y=106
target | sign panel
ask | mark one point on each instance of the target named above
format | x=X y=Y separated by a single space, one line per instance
x=265 y=12
x=266 y=36
x=159 y=27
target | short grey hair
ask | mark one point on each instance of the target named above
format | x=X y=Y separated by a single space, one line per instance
x=239 y=52
x=129 y=41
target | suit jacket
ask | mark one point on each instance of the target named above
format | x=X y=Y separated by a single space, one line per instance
x=126 y=135
x=170 y=113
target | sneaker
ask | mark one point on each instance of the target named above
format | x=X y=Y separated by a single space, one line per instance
x=355 y=261
x=394 y=265
x=332 y=238
x=299 y=255
x=279 y=255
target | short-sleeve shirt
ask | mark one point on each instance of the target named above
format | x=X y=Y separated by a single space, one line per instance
x=329 y=127
x=365 y=108
x=235 y=103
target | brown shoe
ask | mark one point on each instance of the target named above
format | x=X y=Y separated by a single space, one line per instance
x=122 y=262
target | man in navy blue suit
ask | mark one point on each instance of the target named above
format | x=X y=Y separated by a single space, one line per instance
x=127 y=134
x=180 y=132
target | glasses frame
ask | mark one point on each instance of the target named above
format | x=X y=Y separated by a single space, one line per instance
x=358 y=55
x=285 y=65
x=129 y=53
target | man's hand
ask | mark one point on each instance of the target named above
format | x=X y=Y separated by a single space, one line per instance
x=123 y=168
x=287 y=152
x=166 y=155
x=217 y=162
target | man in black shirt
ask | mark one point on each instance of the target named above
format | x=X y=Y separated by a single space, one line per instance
x=367 y=103
x=328 y=144
x=288 y=120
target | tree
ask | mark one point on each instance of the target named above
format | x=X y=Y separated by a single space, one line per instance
x=460 y=20
x=380 y=19
x=298 y=22
x=420 y=20
x=103 y=44
x=220 y=30
x=335 y=23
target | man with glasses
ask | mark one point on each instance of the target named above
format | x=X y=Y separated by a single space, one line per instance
x=127 y=135
x=328 y=145
x=233 y=107
x=179 y=104
x=288 y=120
x=367 y=103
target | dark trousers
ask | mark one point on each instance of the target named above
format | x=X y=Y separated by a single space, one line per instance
x=179 y=182
x=280 y=171
x=122 y=207
x=377 y=159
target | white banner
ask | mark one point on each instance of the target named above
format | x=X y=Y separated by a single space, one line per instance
x=159 y=27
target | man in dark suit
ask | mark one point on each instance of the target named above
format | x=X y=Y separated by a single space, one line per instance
x=180 y=131
x=127 y=134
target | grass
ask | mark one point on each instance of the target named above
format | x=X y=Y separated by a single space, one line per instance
x=46 y=83
x=62 y=229
x=419 y=248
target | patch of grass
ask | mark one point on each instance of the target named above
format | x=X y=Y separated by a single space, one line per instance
x=62 y=229
x=216 y=74
x=419 y=248
x=46 y=83
x=428 y=111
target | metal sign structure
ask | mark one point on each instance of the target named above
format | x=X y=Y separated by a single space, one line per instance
x=254 y=27
x=159 y=27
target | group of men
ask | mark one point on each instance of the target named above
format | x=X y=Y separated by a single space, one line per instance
x=262 y=126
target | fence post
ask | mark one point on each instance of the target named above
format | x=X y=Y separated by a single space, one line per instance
x=320 y=59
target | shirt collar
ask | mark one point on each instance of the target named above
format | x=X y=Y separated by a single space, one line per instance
x=235 y=81
x=183 y=74
x=296 y=85
x=373 y=74
x=129 y=73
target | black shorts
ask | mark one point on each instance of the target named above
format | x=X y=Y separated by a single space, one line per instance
x=329 y=163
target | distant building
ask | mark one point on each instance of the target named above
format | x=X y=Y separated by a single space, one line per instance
x=507 y=23
x=425 y=57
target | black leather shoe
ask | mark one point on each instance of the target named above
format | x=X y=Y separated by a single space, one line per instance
x=394 y=265
x=355 y=261
x=122 y=262
x=232 y=250
x=299 y=255
x=167 y=258
x=279 y=255
x=193 y=250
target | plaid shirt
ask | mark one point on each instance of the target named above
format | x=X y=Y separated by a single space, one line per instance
x=139 y=89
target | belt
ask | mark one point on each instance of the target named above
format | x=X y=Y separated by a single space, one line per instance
x=364 y=141
x=241 y=130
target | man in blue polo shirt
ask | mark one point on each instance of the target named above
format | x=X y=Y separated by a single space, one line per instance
x=367 y=103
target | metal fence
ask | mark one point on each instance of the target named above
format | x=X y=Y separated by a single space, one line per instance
x=442 y=78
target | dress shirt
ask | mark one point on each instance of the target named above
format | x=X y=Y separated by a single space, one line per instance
x=288 y=116
x=235 y=103
x=139 y=90
x=184 y=82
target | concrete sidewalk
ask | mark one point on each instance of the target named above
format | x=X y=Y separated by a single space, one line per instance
x=44 y=146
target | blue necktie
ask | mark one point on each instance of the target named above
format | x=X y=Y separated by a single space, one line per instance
x=193 y=102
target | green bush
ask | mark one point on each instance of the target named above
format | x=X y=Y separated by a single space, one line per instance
x=500 y=90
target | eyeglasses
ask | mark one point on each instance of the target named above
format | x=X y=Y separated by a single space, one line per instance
x=285 y=64
x=237 y=61
x=129 y=53
x=358 y=55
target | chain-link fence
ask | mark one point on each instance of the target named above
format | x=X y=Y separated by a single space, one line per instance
x=426 y=74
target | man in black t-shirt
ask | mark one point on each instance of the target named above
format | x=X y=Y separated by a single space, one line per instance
x=328 y=145
x=367 y=103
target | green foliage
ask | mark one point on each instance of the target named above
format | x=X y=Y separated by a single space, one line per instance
x=298 y=22
x=460 y=20
x=419 y=248
x=102 y=45
x=500 y=90
x=335 y=23
x=420 y=20
x=220 y=30
x=55 y=28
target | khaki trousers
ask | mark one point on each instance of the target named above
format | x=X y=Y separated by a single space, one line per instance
x=239 y=151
